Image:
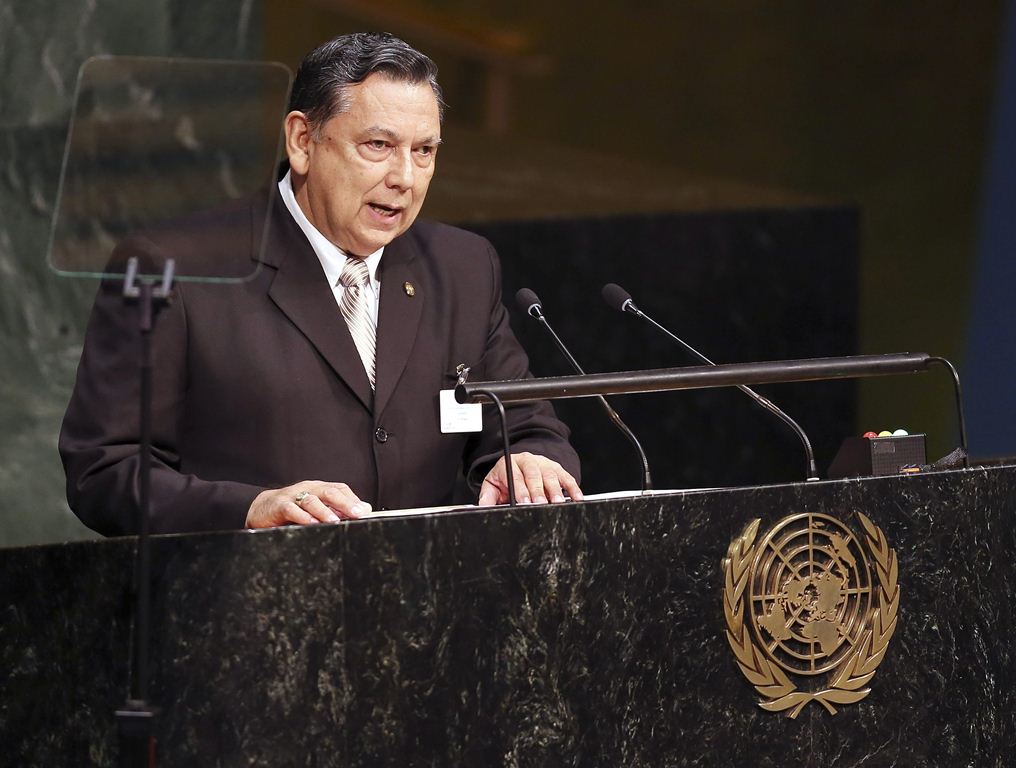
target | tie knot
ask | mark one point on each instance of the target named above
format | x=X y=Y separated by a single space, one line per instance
x=354 y=273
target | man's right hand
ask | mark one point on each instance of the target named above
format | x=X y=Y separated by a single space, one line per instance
x=305 y=503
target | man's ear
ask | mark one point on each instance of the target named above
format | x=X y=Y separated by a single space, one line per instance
x=298 y=140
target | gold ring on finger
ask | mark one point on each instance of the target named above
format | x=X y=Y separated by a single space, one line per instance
x=301 y=496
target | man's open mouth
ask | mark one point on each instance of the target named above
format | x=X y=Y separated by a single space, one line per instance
x=384 y=210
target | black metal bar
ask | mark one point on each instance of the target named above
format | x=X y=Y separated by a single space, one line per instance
x=136 y=719
x=958 y=392
x=697 y=377
x=509 y=472
x=144 y=569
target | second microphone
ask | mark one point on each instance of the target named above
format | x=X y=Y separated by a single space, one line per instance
x=529 y=302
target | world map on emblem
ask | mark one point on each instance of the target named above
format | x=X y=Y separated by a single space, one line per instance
x=810 y=593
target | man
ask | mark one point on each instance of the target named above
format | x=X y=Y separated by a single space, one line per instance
x=328 y=364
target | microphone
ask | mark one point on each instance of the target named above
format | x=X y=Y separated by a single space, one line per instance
x=618 y=298
x=529 y=302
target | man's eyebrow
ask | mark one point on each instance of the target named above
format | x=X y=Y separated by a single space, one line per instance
x=393 y=137
x=388 y=133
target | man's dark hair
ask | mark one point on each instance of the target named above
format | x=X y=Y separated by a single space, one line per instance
x=319 y=90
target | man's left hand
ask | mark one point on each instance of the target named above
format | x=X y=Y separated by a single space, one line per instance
x=537 y=480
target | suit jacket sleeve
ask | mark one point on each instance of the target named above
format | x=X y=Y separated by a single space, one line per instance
x=99 y=441
x=532 y=427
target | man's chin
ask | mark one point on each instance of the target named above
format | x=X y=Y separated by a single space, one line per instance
x=376 y=239
x=367 y=246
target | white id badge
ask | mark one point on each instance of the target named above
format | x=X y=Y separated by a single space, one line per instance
x=459 y=417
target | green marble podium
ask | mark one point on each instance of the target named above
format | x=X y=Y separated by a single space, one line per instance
x=586 y=634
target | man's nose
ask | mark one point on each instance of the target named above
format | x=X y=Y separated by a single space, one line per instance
x=400 y=170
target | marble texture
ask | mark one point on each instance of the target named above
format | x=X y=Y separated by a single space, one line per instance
x=590 y=634
x=42 y=316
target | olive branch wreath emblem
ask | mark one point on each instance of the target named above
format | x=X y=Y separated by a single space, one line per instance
x=779 y=693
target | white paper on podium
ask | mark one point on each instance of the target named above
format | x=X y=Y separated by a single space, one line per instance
x=383 y=513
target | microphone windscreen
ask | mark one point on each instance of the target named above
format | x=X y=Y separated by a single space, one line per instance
x=615 y=296
x=525 y=298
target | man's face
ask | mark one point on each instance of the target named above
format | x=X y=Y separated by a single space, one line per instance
x=363 y=181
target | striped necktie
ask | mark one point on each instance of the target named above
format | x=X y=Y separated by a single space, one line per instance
x=354 y=279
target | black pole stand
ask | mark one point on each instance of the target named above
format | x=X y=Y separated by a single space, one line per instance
x=137 y=717
x=509 y=472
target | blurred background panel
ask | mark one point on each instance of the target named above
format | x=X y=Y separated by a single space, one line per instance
x=775 y=179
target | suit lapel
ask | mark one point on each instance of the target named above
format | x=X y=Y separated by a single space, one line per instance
x=398 y=317
x=301 y=292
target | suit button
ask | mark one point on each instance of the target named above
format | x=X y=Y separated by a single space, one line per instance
x=381 y=435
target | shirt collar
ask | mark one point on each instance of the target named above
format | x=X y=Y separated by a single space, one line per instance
x=332 y=257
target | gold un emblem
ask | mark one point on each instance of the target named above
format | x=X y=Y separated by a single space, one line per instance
x=806 y=602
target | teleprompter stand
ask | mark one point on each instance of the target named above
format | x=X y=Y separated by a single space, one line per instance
x=136 y=718
x=147 y=195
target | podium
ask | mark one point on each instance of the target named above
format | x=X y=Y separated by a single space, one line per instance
x=581 y=634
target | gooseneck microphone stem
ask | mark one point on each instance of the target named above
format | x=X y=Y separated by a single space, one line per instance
x=628 y=306
x=529 y=302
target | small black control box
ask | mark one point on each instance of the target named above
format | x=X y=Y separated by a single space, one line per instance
x=866 y=456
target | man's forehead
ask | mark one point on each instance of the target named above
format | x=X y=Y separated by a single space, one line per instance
x=380 y=90
x=395 y=110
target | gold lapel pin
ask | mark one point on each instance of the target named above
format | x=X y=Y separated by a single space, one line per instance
x=409 y=289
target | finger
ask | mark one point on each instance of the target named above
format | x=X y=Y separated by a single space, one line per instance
x=490 y=494
x=571 y=485
x=522 y=495
x=552 y=484
x=494 y=488
x=343 y=502
x=294 y=513
x=532 y=476
x=321 y=513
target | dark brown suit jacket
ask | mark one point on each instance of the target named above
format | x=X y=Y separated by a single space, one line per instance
x=259 y=385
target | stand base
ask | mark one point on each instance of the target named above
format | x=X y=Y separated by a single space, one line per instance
x=136 y=722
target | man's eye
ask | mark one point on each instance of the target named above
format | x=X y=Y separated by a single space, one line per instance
x=378 y=144
x=425 y=150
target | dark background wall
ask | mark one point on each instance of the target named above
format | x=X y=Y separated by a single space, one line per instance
x=882 y=105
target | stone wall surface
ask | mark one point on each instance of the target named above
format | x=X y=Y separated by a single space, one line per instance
x=42 y=316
